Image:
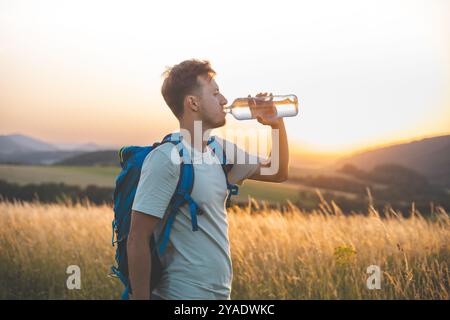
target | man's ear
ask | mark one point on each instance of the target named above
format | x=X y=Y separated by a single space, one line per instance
x=192 y=103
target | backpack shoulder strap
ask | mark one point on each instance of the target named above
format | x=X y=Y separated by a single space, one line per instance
x=220 y=153
x=182 y=194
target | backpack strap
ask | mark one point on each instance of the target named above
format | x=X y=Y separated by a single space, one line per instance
x=182 y=194
x=221 y=155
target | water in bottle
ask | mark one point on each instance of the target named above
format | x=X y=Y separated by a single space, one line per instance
x=268 y=106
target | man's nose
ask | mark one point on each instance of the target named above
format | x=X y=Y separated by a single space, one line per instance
x=224 y=101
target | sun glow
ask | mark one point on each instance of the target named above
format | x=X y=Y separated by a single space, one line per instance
x=90 y=71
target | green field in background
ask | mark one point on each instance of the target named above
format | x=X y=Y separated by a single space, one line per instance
x=271 y=192
x=105 y=177
x=71 y=175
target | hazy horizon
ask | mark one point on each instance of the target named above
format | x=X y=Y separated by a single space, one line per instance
x=294 y=149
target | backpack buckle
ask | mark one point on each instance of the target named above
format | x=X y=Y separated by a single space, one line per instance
x=234 y=189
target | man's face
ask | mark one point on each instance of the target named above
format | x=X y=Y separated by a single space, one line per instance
x=211 y=103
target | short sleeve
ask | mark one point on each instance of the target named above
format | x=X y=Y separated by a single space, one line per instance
x=157 y=183
x=244 y=164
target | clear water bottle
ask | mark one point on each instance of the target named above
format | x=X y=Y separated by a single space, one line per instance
x=264 y=105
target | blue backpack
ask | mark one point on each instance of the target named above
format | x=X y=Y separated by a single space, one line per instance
x=131 y=159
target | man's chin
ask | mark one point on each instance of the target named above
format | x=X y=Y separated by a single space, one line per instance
x=214 y=125
x=223 y=123
x=219 y=124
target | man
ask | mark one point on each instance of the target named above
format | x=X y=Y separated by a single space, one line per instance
x=197 y=265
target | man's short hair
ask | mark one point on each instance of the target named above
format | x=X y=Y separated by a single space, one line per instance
x=181 y=80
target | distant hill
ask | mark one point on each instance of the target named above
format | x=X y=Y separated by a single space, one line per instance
x=22 y=149
x=88 y=147
x=18 y=143
x=104 y=158
x=430 y=157
x=41 y=157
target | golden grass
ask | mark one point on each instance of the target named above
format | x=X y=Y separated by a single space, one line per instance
x=286 y=254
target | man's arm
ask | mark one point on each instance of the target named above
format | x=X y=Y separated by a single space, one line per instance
x=281 y=153
x=138 y=251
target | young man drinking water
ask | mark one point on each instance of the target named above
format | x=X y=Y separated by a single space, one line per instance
x=196 y=265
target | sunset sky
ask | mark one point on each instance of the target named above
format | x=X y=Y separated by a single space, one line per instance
x=366 y=72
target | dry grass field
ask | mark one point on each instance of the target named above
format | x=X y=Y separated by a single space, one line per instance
x=287 y=254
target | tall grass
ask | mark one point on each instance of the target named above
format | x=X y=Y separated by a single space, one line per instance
x=287 y=254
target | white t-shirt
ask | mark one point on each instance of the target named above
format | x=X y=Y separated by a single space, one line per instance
x=196 y=265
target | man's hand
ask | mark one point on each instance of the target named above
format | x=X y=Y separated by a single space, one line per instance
x=266 y=113
x=265 y=110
